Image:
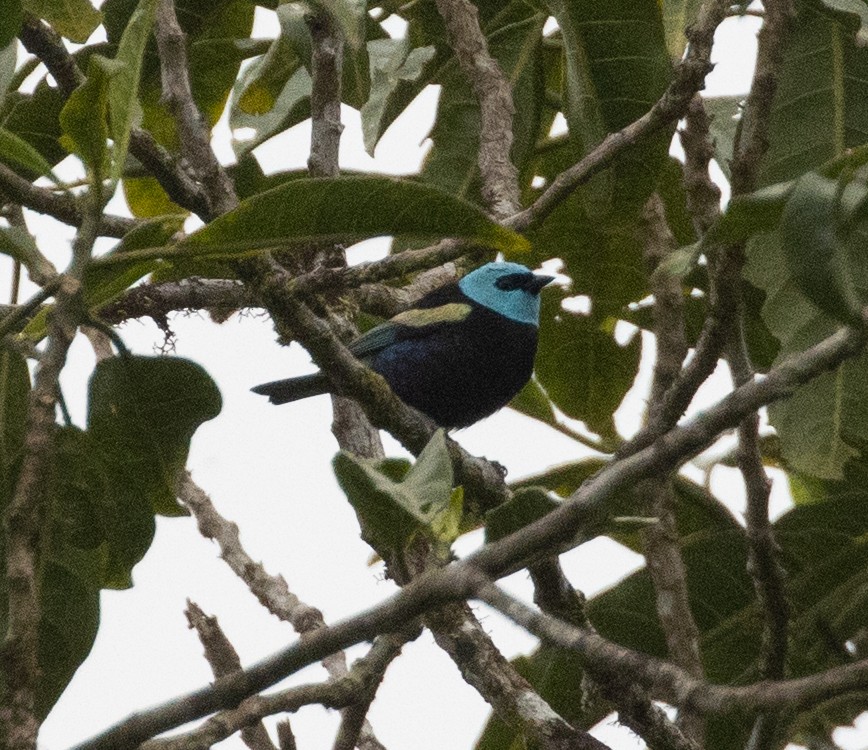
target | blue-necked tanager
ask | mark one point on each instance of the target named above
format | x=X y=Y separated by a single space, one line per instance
x=459 y=355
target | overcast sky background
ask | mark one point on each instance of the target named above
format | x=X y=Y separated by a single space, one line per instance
x=269 y=470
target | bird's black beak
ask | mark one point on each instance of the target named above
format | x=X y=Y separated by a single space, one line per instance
x=536 y=283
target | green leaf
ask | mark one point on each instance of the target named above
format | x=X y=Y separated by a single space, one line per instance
x=350 y=16
x=815 y=250
x=142 y=413
x=14 y=394
x=17 y=152
x=394 y=68
x=74 y=19
x=819 y=109
x=259 y=88
x=124 y=86
x=616 y=67
x=343 y=209
x=533 y=402
x=84 y=117
x=10 y=22
x=526 y=505
x=391 y=511
x=678 y=16
x=584 y=371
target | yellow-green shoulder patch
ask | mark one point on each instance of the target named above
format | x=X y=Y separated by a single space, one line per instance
x=454 y=312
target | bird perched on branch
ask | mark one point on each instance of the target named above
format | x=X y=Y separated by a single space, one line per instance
x=458 y=356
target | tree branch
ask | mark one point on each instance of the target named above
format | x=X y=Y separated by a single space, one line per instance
x=62 y=207
x=500 y=189
x=41 y=40
x=689 y=78
x=223 y=658
x=583 y=510
x=24 y=521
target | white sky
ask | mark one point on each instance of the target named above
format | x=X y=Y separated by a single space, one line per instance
x=269 y=470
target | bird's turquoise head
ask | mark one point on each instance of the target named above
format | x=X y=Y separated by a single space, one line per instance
x=507 y=288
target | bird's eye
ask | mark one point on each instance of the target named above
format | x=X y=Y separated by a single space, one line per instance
x=512 y=281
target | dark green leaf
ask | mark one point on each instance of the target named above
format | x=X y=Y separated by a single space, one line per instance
x=526 y=505
x=17 y=152
x=10 y=22
x=142 y=413
x=84 y=117
x=344 y=209
x=14 y=393
x=124 y=86
x=813 y=248
x=74 y=19
x=584 y=371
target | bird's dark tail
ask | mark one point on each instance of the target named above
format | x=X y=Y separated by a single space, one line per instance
x=292 y=389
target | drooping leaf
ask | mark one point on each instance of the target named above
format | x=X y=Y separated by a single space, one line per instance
x=391 y=511
x=124 y=85
x=74 y=19
x=394 y=64
x=10 y=22
x=142 y=413
x=84 y=117
x=17 y=152
x=343 y=209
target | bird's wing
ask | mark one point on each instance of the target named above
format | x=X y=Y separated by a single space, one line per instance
x=409 y=324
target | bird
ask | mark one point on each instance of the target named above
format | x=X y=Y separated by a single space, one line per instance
x=460 y=354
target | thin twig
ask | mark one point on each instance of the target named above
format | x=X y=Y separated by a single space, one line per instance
x=223 y=659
